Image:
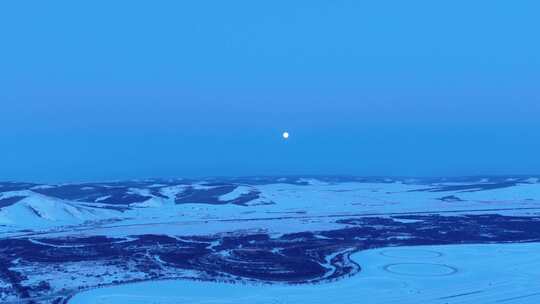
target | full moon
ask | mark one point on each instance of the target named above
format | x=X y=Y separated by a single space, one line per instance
x=285 y=135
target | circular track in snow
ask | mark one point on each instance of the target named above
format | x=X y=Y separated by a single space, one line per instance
x=421 y=269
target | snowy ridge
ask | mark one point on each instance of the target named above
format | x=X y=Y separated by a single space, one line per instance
x=39 y=211
x=31 y=206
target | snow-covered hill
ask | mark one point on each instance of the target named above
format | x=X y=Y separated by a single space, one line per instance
x=28 y=210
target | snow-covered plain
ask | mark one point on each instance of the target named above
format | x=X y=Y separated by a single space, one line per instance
x=496 y=273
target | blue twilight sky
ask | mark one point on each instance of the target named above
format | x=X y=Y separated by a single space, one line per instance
x=93 y=90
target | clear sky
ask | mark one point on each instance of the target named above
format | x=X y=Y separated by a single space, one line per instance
x=93 y=90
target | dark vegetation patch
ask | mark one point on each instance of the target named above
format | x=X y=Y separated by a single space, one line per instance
x=450 y=198
x=11 y=186
x=95 y=193
x=5 y=202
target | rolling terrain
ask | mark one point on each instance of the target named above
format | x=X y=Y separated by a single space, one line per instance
x=61 y=240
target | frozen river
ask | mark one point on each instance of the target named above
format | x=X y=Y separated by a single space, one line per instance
x=495 y=273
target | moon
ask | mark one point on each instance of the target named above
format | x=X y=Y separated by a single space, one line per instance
x=285 y=135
